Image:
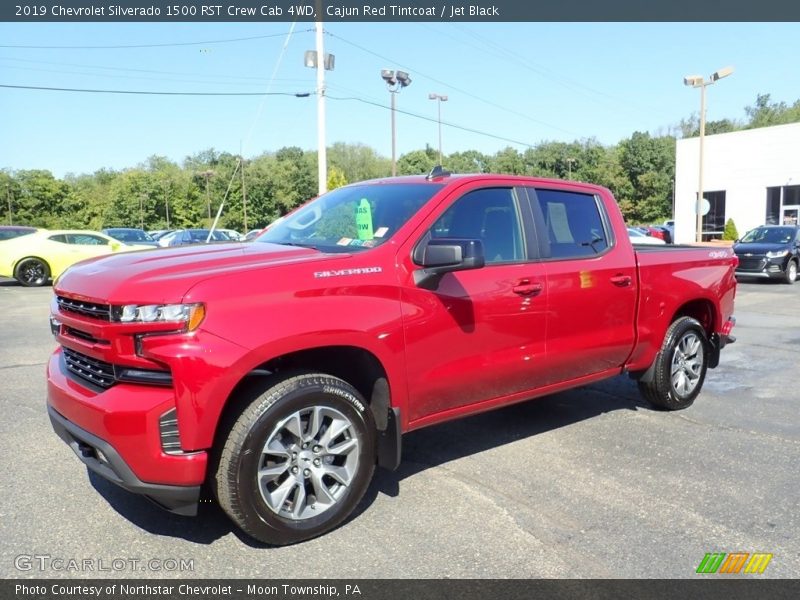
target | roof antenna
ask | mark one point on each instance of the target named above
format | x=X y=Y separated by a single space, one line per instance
x=437 y=171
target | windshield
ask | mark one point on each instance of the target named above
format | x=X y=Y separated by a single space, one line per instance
x=769 y=235
x=352 y=217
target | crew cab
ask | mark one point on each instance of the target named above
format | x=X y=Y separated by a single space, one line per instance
x=276 y=374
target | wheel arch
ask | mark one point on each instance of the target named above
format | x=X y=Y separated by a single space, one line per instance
x=356 y=365
x=702 y=310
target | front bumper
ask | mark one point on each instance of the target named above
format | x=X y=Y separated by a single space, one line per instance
x=116 y=434
x=100 y=457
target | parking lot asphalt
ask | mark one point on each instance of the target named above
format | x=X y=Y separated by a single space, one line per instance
x=588 y=483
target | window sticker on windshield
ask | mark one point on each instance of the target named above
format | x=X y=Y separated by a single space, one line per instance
x=345 y=241
x=381 y=231
x=364 y=220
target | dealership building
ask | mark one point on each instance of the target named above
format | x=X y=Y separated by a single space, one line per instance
x=751 y=176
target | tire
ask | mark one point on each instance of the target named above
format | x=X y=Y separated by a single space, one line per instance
x=310 y=481
x=680 y=366
x=32 y=272
x=790 y=274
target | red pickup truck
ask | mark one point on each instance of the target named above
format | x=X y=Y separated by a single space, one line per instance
x=276 y=374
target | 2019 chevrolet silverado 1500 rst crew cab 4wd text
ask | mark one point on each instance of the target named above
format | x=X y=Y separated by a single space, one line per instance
x=277 y=374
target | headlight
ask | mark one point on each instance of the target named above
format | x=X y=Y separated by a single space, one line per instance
x=190 y=314
x=777 y=253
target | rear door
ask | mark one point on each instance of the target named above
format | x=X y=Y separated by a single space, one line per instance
x=591 y=283
x=481 y=334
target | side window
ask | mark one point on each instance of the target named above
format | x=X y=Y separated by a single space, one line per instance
x=489 y=215
x=573 y=223
x=85 y=239
x=60 y=238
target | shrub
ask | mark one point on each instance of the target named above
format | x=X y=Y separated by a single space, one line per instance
x=730 y=231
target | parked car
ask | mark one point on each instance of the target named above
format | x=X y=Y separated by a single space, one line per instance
x=252 y=234
x=34 y=258
x=157 y=233
x=669 y=225
x=658 y=231
x=9 y=232
x=280 y=372
x=232 y=235
x=770 y=251
x=181 y=237
x=131 y=236
x=637 y=236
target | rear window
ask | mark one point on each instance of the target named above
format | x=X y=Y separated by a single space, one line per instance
x=573 y=223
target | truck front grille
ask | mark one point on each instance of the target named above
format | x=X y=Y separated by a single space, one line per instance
x=90 y=369
x=89 y=309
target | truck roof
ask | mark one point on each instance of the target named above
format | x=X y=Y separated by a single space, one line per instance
x=460 y=178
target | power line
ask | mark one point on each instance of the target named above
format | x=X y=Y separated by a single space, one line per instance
x=153 y=93
x=452 y=87
x=418 y=116
x=131 y=70
x=164 y=45
x=173 y=79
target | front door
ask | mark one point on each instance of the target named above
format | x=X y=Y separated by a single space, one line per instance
x=481 y=334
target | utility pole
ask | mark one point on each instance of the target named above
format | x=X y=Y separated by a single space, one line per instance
x=8 y=196
x=141 y=211
x=439 y=99
x=244 y=195
x=167 y=188
x=569 y=167
x=322 y=152
x=208 y=174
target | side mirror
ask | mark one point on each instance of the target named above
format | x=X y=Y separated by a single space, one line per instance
x=115 y=246
x=445 y=255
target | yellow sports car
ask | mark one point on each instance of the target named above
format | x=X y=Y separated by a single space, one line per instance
x=35 y=258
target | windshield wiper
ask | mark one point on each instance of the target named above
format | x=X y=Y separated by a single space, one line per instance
x=297 y=244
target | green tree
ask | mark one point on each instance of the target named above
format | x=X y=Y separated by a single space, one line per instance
x=336 y=179
x=417 y=162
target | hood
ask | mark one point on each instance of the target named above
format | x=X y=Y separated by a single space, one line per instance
x=758 y=248
x=165 y=275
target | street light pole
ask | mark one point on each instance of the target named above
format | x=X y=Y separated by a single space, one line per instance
x=569 y=167
x=697 y=81
x=439 y=99
x=8 y=196
x=395 y=81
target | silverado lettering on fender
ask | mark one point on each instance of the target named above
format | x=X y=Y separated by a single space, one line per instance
x=278 y=373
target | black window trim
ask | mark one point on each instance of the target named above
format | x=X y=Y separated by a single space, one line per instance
x=540 y=223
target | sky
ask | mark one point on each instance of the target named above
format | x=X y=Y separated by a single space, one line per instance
x=522 y=83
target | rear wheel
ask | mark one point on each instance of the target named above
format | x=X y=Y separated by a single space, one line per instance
x=297 y=460
x=32 y=272
x=680 y=367
x=790 y=275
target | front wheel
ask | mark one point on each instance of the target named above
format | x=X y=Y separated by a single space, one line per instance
x=790 y=275
x=32 y=272
x=297 y=460
x=680 y=367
